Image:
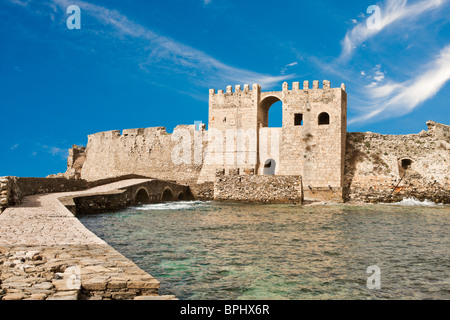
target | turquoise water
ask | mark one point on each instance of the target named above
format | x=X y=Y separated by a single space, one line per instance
x=210 y=250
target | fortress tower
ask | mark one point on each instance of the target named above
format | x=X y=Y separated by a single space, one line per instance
x=310 y=143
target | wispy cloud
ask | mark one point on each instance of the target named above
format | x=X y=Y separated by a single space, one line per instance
x=284 y=69
x=393 y=12
x=376 y=76
x=62 y=153
x=176 y=56
x=22 y=3
x=394 y=99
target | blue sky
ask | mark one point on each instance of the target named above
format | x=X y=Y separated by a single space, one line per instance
x=150 y=63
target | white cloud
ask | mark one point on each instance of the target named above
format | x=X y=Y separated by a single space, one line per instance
x=206 y=2
x=395 y=99
x=378 y=75
x=393 y=12
x=182 y=58
x=284 y=69
x=23 y=3
x=56 y=152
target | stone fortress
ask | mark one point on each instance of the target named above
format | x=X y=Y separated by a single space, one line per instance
x=311 y=157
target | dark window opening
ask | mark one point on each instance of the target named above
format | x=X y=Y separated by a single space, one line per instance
x=269 y=167
x=324 y=118
x=406 y=163
x=298 y=119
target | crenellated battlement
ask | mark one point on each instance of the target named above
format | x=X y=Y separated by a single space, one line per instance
x=237 y=88
x=295 y=86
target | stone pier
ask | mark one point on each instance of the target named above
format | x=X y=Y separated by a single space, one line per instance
x=46 y=253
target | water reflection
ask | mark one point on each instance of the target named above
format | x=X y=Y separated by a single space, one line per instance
x=232 y=251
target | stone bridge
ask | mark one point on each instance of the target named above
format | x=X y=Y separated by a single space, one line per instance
x=47 y=253
x=139 y=192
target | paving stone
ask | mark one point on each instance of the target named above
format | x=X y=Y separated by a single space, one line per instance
x=137 y=284
x=37 y=297
x=14 y=296
x=43 y=238
x=43 y=286
x=69 y=295
x=96 y=284
x=122 y=295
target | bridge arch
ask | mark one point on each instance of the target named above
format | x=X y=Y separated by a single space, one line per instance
x=167 y=194
x=142 y=196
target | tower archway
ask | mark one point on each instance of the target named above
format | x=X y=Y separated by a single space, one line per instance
x=271 y=112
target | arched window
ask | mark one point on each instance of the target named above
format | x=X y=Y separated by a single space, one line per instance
x=324 y=118
x=269 y=167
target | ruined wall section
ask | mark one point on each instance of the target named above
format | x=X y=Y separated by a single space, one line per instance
x=389 y=168
x=75 y=162
x=235 y=186
x=149 y=152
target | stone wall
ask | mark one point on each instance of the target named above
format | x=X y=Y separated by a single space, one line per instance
x=304 y=146
x=323 y=194
x=150 y=152
x=202 y=191
x=5 y=193
x=389 y=168
x=14 y=189
x=153 y=191
x=75 y=162
x=258 y=189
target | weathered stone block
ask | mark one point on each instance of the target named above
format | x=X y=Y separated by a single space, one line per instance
x=143 y=284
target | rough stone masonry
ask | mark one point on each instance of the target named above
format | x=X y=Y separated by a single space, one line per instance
x=313 y=143
x=46 y=253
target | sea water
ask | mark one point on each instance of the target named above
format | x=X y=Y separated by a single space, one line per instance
x=214 y=250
